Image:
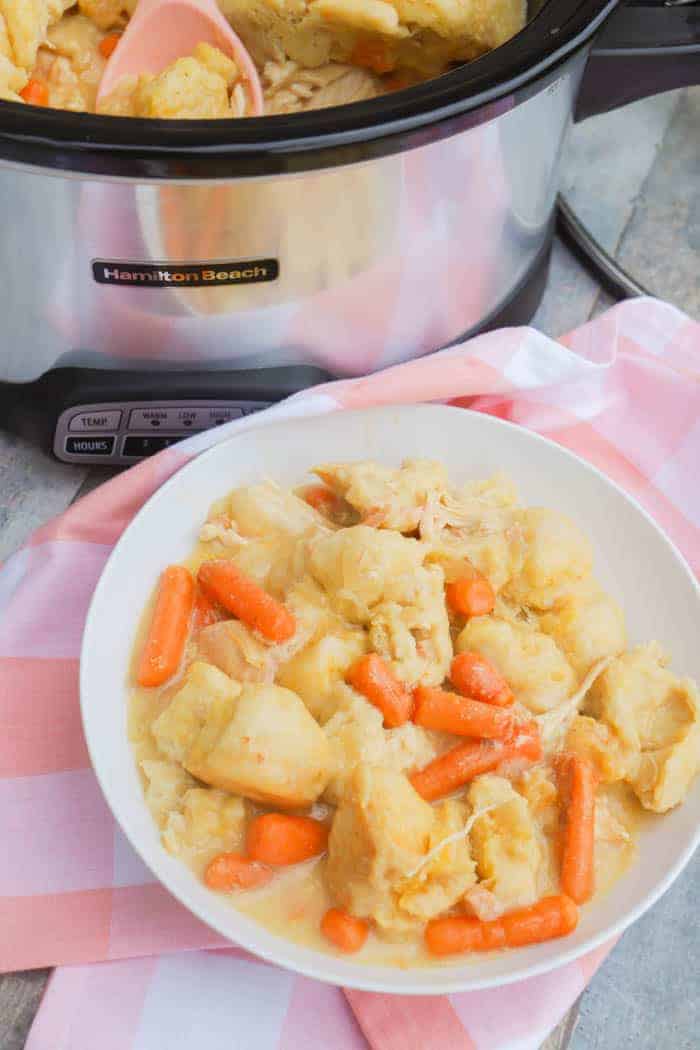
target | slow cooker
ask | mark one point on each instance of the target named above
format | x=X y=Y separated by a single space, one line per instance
x=159 y=277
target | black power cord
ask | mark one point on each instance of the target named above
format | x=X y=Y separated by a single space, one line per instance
x=593 y=256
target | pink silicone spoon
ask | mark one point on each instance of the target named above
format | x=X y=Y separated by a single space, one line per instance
x=161 y=31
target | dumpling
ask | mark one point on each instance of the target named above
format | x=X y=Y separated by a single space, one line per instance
x=598 y=741
x=614 y=845
x=177 y=727
x=411 y=631
x=106 y=13
x=315 y=673
x=166 y=783
x=385 y=497
x=357 y=567
x=380 y=833
x=656 y=715
x=476 y=527
x=356 y=735
x=534 y=667
x=25 y=23
x=504 y=842
x=267 y=510
x=587 y=627
x=447 y=873
x=557 y=558
x=207 y=821
x=264 y=745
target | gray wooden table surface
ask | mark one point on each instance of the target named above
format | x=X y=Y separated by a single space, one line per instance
x=634 y=176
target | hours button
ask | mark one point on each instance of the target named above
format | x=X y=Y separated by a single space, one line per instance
x=90 y=446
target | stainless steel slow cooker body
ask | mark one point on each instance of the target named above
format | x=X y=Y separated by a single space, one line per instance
x=346 y=239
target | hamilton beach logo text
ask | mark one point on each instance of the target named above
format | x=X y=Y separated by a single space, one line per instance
x=192 y=275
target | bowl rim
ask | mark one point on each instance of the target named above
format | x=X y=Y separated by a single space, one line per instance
x=425 y=980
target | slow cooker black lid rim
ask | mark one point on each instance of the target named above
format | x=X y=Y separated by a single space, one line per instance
x=566 y=24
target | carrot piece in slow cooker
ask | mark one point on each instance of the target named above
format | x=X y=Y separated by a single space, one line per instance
x=345 y=931
x=475 y=676
x=35 y=93
x=466 y=761
x=372 y=54
x=230 y=871
x=549 y=918
x=281 y=839
x=226 y=584
x=322 y=499
x=169 y=627
x=470 y=596
x=108 y=43
x=577 y=861
x=450 y=713
x=377 y=682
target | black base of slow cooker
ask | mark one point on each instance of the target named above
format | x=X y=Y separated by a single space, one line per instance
x=116 y=418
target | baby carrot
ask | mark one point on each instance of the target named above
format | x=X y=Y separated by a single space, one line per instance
x=35 y=93
x=471 y=596
x=549 y=918
x=205 y=612
x=224 y=582
x=230 y=871
x=167 y=634
x=466 y=761
x=475 y=676
x=450 y=713
x=280 y=839
x=371 y=677
x=108 y=43
x=577 y=861
x=344 y=931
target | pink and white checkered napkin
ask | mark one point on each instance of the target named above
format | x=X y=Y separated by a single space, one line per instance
x=623 y=392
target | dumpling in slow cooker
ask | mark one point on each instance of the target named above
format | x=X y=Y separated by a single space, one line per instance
x=381 y=36
x=23 y=26
x=107 y=14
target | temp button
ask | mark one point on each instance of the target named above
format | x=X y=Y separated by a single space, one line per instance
x=108 y=420
x=90 y=446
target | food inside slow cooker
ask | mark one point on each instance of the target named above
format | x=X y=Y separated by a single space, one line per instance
x=310 y=54
x=393 y=715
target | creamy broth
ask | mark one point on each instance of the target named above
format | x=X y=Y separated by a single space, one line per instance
x=578 y=681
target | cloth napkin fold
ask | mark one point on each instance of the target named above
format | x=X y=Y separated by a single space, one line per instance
x=623 y=392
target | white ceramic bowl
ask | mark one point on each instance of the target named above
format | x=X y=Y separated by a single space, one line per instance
x=634 y=560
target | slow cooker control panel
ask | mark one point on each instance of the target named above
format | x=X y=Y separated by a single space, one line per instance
x=119 y=434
